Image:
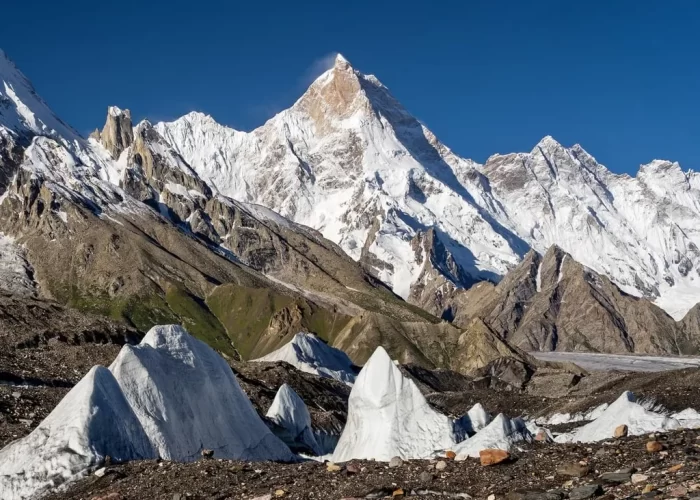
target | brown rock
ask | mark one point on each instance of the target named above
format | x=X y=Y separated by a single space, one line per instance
x=450 y=454
x=621 y=431
x=675 y=468
x=108 y=496
x=352 y=469
x=573 y=470
x=648 y=489
x=678 y=490
x=331 y=467
x=654 y=447
x=493 y=457
x=398 y=493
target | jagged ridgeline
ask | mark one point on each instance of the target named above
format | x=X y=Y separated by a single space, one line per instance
x=167 y=223
x=120 y=225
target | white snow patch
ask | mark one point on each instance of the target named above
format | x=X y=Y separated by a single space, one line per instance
x=624 y=411
x=688 y=418
x=501 y=434
x=63 y=216
x=308 y=353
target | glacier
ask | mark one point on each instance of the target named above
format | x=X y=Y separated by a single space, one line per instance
x=171 y=396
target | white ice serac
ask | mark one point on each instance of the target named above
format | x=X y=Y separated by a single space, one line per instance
x=93 y=420
x=639 y=419
x=388 y=416
x=308 y=353
x=187 y=399
x=289 y=411
x=502 y=433
x=171 y=397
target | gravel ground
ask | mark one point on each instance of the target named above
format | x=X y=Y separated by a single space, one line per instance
x=537 y=472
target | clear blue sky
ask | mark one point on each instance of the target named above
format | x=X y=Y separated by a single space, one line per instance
x=620 y=77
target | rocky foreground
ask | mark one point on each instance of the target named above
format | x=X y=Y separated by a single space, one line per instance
x=621 y=468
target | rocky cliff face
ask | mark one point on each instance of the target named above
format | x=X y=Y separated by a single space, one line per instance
x=555 y=303
x=117 y=133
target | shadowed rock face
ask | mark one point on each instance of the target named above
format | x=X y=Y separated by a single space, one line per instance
x=440 y=276
x=555 y=303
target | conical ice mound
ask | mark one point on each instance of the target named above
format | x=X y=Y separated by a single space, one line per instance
x=388 y=416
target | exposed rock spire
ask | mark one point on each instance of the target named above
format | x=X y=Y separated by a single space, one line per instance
x=118 y=133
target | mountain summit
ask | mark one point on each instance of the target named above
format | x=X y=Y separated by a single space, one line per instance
x=349 y=160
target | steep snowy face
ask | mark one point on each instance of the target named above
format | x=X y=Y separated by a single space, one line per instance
x=641 y=232
x=388 y=416
x=93 y=420
x=308 y=353
x=22 y=111
x=187 y=399
x=24 y=114
x=349 y=160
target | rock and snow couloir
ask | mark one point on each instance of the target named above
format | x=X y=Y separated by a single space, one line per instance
x=171 y=396
x=308 y=353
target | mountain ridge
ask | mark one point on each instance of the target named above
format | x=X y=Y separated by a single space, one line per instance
x=347 y=139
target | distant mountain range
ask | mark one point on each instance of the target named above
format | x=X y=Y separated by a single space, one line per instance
x=346 y=217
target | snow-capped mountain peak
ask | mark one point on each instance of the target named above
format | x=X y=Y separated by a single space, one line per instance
x=349 y=160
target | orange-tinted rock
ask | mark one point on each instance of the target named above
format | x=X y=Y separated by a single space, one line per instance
x=654 y=447
x=493 y=457
x=621 y=431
